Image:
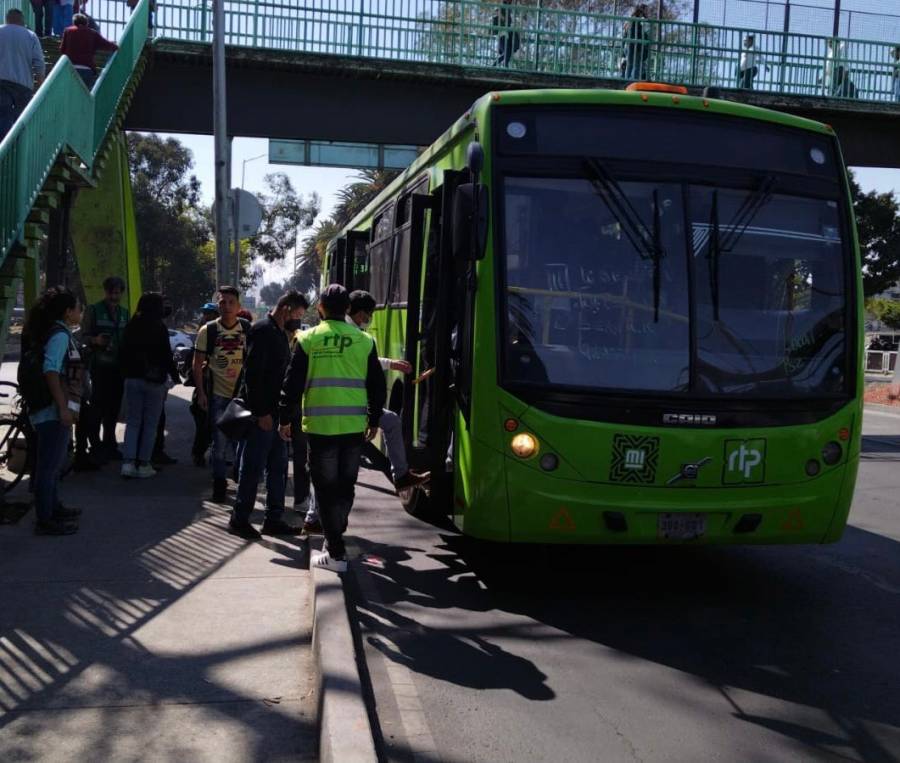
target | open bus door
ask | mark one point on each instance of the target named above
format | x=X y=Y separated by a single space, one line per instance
x=429 y=348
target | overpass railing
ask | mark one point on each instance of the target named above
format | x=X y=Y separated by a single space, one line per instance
x=63 y=116
x=544 y=40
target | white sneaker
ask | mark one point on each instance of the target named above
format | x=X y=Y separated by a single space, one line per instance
x=144 y=471
x=323 y=560
x=129 y=470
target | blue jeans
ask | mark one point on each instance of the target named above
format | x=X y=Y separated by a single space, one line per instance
x=52 y=445
x=62 y=19
x=334 y=467
x=145 y=403
x=262 y=451
x=222 y=447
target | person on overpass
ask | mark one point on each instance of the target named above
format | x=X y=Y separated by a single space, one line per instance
x=362 y=306
x=336 y=370
x=748 y=66
x=895 y=74
x=21 y=68
x=81 y=43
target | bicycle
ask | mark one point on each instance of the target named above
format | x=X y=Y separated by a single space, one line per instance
x=15 y=426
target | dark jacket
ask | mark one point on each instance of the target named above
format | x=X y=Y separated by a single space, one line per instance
x=295 y=384
x=267 y=359
x=146 y=353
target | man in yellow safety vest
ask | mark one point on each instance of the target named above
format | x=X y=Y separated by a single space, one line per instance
x=335 y=369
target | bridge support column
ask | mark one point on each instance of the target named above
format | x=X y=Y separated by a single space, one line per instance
x=104 y=232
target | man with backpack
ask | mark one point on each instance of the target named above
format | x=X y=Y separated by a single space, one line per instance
x=218 y=362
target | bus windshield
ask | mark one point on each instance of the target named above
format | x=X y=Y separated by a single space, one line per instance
x=672 y=287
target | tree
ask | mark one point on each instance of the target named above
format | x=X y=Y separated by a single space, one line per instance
x=270 y=293
x=173 y=227
x=885 y=310
x=352 y=199
x=285 y=214
x=878 y=227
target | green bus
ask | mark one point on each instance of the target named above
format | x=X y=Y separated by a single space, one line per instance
x=634 y=317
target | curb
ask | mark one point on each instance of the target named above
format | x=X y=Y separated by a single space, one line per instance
x=345 y=734
x=891 y=410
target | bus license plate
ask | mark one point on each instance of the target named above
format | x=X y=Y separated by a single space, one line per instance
x=681 y=526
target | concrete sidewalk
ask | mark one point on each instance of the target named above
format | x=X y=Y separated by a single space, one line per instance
x=152 y=634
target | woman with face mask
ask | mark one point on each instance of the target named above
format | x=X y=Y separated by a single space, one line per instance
x=54 y=398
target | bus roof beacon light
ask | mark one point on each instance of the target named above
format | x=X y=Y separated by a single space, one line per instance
x=524 y=445
x=549 y=462
x=511 y=425
x=657 y=87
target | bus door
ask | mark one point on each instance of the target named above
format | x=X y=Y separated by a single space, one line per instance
x=435 y=324
x=336 y=267
x=357 y=260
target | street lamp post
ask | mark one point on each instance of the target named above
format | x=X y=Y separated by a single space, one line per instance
x=222 y=153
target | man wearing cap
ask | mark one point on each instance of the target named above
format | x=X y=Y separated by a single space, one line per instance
x=335 y=369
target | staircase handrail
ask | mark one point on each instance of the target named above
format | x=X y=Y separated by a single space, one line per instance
x=63 y=116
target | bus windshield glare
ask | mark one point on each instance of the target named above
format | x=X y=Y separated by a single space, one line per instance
x=672 y=287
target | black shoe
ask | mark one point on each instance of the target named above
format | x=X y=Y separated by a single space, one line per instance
x=64 y=513
x=312 y=528
x=244 y=530
x=162 y=459
x=55 y=527
x=279 y=527
x=85 y=463
x=220 y=490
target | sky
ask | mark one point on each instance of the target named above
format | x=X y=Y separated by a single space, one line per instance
x=327 y=181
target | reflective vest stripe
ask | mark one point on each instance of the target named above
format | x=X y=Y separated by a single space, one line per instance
x=335 y=410
x=329 y=381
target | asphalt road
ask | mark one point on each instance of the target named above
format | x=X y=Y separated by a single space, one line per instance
x=742 y=654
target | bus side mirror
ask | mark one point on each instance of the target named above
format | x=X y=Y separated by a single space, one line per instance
x=470 y=221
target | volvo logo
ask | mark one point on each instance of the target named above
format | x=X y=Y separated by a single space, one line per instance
x=690 y=419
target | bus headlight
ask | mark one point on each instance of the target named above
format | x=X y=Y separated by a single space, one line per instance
x=524 y=445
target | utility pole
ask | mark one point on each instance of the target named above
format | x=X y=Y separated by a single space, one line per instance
x=222 y=147
x=837 y=18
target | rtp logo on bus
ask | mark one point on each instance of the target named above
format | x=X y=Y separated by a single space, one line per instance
x=745 y=462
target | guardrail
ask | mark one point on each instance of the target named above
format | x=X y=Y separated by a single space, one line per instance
x=881 y=361
x=63 y=116
x=545 y=40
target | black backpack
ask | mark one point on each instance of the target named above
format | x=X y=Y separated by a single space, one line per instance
x=30 y=375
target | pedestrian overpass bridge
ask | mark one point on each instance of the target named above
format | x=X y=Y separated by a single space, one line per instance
x=380 y=71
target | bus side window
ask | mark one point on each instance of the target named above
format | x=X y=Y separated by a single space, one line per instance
x=380 y=254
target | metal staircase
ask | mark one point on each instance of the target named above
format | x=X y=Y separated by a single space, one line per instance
x=62 y=141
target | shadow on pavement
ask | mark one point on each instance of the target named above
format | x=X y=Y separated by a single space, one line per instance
x=82 y=627
x=812 y=626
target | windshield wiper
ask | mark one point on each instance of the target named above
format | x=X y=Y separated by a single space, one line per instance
x=646 y=241
x=717 y=244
